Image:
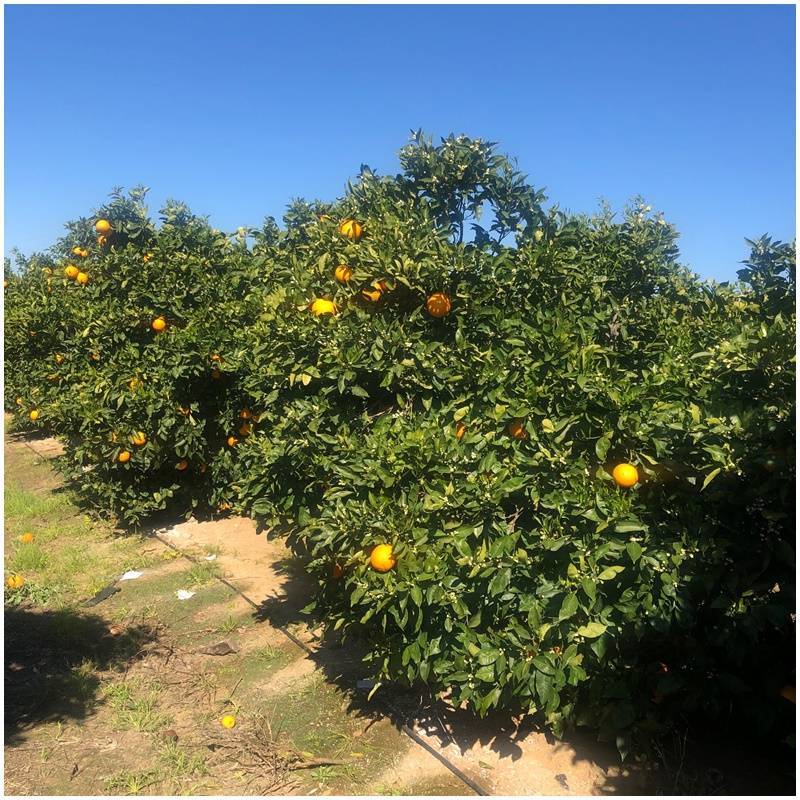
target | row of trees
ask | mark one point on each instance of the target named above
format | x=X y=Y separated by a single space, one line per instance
x=479 y=368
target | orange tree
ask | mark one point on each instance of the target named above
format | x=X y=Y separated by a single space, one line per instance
x=130 y=367
x=528 y=456
x=465 y=400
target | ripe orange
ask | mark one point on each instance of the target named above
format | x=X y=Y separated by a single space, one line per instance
x=71 y=271
x=82 y=278
x=34 y=415
x=5 y=284
x=245 y=428
x=102 y=226
x=15 y=581
x=139 y=438
x=336 y=571
x=228 y=721
x=232 y=441
x=321 y=307
x=438 y=304
x=245 y=413
x=76 y=251
x=133 y=384
x=95 y=356
x=59 y=358
x=461 y=429
x=124 y=457
x=216 y=357
x=102 y=241
x=26 y=538
x=159 y=324
x=382 y=558
x=516 y=429
x=182 y=465
x=343 y=273
x=626 y=475
x=788 y=693
x=224 y=506
x=351 y=229
x=371 y=294
x=146 y=257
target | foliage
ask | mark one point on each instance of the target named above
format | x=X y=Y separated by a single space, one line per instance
x=525 y=577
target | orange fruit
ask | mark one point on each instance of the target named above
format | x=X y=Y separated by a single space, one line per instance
x=216 y=357
x=626 y=475
x=382 y=558
x=159 y=324
x=82 y=278
x=182 y=465
x=34 y=415
x=5 y=284
x=461 y=429
x=71 y=271
x=372 y=295
x=228 y=721
x=133 y=384
x=15 y=581
x=245 y=428
x=516 y=429
x=232 y=441
x=343 y=273
x=19 y=401
x=76 y=251
x=95 y=356
x=788 y=693
x=245 y=413
x=139 y=438
x=336 y=571
x=351 y=229
x=59 y=358
x=321 y=307
x=438 y=304
x=224 y=506
x=124 y=457
x=185 y=411
x=102 y=226
x=102 y=241
x=146 y=257
x=26 y=538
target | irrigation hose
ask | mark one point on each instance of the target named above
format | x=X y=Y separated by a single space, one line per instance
x=389 y=710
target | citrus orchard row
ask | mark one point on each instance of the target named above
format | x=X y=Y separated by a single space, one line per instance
x=528 y=456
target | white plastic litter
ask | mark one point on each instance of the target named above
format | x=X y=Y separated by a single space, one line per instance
x=182 y=594
x=131 y=575
x=212 y=557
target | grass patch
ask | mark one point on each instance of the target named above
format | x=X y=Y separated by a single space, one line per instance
x=131 y=781
x=134 y=709
x=178 y=763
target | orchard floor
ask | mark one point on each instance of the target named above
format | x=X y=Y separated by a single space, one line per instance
x=126 y=696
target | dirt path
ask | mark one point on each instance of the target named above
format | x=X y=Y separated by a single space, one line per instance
x=127 y=697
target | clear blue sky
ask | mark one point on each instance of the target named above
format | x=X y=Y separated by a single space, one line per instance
x=236 y=110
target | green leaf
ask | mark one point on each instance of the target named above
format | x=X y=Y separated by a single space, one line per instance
x=568 y=606
x=592 y=630
x=609 y=573
x=601 y=446
x=634 y=551
x=710 y=477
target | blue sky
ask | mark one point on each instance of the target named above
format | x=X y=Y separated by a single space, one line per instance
x=236 y=110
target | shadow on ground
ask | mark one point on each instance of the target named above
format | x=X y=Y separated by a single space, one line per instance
x=51 y=660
